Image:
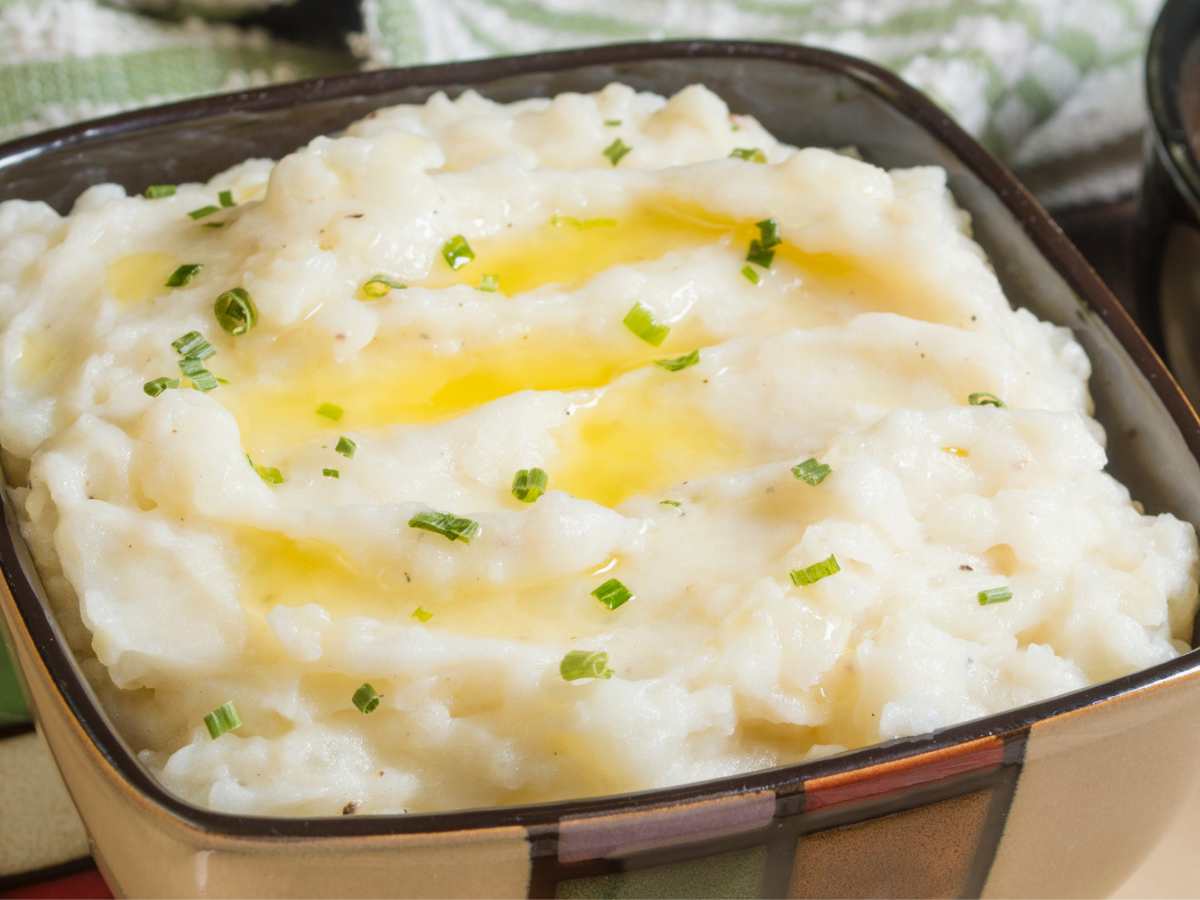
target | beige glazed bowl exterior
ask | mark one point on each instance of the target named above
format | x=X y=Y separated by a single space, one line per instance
x=1062 y=798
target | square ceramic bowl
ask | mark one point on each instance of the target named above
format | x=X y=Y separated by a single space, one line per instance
x=1059 y=798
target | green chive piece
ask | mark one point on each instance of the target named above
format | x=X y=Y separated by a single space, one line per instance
x=366 y=698
x=331 y=473
x=762 y=248
x=640 y=320
x=613 y=594
x=811 y=471
x=158 y=191
x=235 y=311
x=184 y=274
x=269 y=474
x=225 y=198
x=448 y=525
x=421 y=614
x=616 y=151
x=191 y=367
x=222 y=719
x=380 y=285
x=330 y=411
x=193 y=345
x=156 y=386
x=751 y=274
x=768 y=231
x=983 y=398
x=489 y=283
x=203 y=211
x=457 y=252
x=529 y=484
x=612 y=123
x=750 y=154
x=815 y=572
x=679 y=362
x=346 y=446
x=579 y=664
x=674 y=503
x=201 y=378
x=995 y=595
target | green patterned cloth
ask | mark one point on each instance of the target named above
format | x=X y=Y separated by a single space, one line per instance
x=1053 y=86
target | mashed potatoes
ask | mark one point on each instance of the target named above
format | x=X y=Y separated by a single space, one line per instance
x=784 y=510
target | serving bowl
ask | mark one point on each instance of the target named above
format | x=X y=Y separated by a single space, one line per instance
x=1169 y=202
x=1059 y=798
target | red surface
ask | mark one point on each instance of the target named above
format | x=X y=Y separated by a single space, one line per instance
x=87 y=884
x=897 y=777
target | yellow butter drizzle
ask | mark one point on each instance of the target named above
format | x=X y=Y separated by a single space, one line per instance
x=140 y=276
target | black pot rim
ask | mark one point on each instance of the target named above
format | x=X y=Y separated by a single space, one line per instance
x=541 y=819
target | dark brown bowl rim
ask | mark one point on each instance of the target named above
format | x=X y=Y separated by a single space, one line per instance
x=784 y=780
x=1177 y=26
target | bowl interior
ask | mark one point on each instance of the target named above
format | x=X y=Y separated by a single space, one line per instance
x=805 y=97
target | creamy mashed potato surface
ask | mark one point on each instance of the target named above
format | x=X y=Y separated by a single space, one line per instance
x=448 y=294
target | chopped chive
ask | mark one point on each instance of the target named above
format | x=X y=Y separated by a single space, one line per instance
x=457 y=252
x=191 y=367
x=330 y=411
x=448 y=525
x=222 y=719
x=529 y=484
x=579 y=664
x=616 y=151
x=751 y=274
x=421 y=614
x=983 y=398
x=201 y=378
x=995 y=595
x=380 y=285
x=269 y=474
x=762 y=248
x=759 y=255
x=331 y=473
x=346 y=446
x=674 y=503
x=213 y=224
x=156 y=386
x=815 y=572
x=158 y=191
x=768 y=230
x=489 y=283
x=811 y=471
x=750 y=154
x=366 y=698
x=679 y=362
x=235 y=311
x=640 y=320
x=613 y=594
x=184 y=274
x=225 y=198
x=612 y=123
x=193 y=346
x=203 y=211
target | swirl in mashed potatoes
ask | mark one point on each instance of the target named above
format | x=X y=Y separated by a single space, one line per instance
x=490 y=454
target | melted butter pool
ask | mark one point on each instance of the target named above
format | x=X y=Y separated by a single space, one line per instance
x=140 y=276
x=390 y=387
x=277 y=570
